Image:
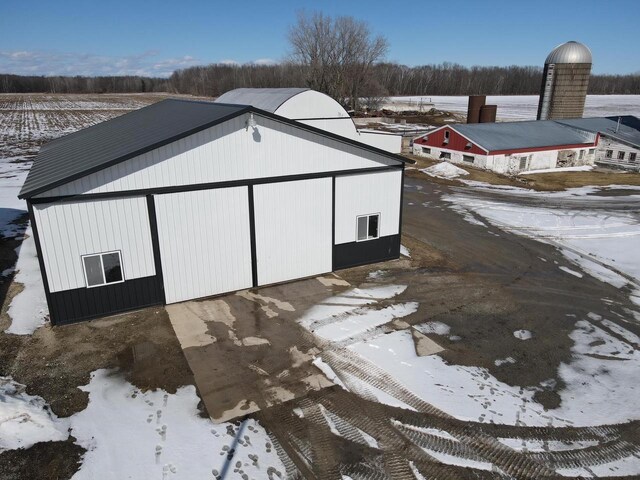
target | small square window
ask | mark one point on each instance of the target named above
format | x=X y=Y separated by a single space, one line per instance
x=581 y=156
x=467 y=158
x=523 y=163
x=368 y=227
x=632 y=157
x=609 y=154
x=103 y=268
x=426 y=150
x=445 y=155
x=621 y=155
x=592 y=151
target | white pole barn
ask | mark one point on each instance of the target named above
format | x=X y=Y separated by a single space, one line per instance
x=186 y=199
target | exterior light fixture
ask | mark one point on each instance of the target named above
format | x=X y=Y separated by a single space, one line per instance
x=252 y=121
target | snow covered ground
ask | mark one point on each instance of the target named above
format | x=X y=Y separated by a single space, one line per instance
x=525 y=107
x=133 y=434
x=599 y=382
x=28 y=309
x=602 y=242
x=169 y=438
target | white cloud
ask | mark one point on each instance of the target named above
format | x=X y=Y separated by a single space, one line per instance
x=228 y=61
x=265 y=61
x=65 y=63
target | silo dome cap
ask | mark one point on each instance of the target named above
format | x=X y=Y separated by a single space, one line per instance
x=570 y=52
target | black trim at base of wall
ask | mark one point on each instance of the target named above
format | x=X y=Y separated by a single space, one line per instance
x=355 y=254
x=72 y=306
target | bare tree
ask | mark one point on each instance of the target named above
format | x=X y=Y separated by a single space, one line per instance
x=337 y=54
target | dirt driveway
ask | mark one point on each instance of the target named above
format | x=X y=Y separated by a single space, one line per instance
x=475 y=357
x=421 y=366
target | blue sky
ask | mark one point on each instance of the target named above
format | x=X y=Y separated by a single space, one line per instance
x=154 y=38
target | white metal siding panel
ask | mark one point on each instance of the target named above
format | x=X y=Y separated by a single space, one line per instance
x=293 y=229
x=361 y=194
x=227 y=152
x=383 y=141
x=204 y=242
x=72 y=229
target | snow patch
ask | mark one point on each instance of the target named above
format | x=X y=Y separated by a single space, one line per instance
x=444 y=170
x=504 y=361
x=571 y=272
x=437 y=328
x=522 y=334
x=363 y=320
x=583 y=168
x=133 y=434
x=28 y=309
x=26 y=419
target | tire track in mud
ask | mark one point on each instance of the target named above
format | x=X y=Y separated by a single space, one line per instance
x=588 y=456
x=476 y=440
x=323 y=447
x=311 y=449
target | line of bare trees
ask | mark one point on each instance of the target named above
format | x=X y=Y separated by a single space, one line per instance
x=383 y=79
x=78 y=84
x=339 y=56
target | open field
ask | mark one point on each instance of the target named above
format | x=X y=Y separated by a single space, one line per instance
x=27 y=121
x=522 y=107
x=504 y=343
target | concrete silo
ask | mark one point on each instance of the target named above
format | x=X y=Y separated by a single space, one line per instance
x=564 y=82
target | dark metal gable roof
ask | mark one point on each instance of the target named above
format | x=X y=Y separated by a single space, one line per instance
x=117 y=140
x=102 y=145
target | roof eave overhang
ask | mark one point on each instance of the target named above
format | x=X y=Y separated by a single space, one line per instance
x=542 y=148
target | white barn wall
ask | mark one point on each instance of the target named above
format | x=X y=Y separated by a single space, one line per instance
x=227 y=152
x=383 y=141
x=364 y=194
x=72 y=229
x=509 y=164
x=610 y=144
x=204 y=240
x=293 y=229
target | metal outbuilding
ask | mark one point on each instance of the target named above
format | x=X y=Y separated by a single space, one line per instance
x=187 y=199
x=510 y=147
x=513 y=147
x=312 y=108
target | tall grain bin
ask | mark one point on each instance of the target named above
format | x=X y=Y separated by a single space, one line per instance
x=564 y=82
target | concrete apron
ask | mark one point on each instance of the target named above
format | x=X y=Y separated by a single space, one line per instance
x=246 y=350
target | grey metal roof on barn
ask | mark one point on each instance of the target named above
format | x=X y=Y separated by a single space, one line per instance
x=96 y=147
x=269 y=99
x=113 y=141
x=627 y=132
x=570 y=52
x=522 y=135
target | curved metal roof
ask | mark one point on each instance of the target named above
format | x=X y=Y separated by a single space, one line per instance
x=570 y=52
x=269 y=99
